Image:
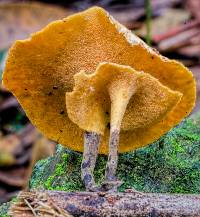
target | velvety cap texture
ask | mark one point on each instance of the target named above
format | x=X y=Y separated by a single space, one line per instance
x=40 y=70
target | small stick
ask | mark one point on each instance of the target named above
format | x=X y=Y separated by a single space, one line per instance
x=176 y=30
x=31 y=208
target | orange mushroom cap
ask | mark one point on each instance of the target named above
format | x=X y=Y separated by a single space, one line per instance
x=39 y=71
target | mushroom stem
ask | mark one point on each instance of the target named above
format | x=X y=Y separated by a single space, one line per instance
x=111 y=165
x=119 y=100
x=91 y=144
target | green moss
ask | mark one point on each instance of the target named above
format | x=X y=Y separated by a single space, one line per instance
x=171 y=164
x=4 y=208
x=58 y=171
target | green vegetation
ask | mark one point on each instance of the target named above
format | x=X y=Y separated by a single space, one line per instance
x=169 y=165
x=148 y=12
x=5 y=207
x=4 y=210
x=2 y=59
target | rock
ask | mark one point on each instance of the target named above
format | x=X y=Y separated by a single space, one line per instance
x=169 y=165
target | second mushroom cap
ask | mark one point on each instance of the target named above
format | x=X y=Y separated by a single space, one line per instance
x=119 y=96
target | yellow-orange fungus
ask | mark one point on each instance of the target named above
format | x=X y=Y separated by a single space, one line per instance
x=40 y=70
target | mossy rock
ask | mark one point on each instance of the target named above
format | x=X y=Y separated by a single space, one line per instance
x=172 y=164
x=4 y=209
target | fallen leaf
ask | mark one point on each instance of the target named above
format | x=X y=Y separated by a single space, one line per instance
x=179 y=40
x=18 y=20
x=190 y=51
x=9 y=102
x=176 y=30
x=11 y=144
x=194 y=7
x=6 y=159
x=14 y=145
x=168 y=20
x=15 y=177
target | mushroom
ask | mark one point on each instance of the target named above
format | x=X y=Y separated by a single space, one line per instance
x=40 y=70
x=115 y=98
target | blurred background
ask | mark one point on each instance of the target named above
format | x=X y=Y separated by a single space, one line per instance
x=171 y=26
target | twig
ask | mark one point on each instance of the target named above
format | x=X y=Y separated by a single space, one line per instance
x=29 y=205
x=176 y=30
x=41 y=205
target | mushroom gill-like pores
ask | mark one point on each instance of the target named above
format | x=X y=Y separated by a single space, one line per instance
x=108 y=97
x=39 y=71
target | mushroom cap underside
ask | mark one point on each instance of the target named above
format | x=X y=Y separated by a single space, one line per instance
x=89 y=104
x=39 y=71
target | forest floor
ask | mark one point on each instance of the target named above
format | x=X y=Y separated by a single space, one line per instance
x=175 y=32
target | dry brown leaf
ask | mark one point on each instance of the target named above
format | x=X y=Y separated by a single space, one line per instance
x=190 y=51
x=18 y=20
x=179 y=40
x=11 y=144
x=15 y=143
x=194 y=7
x=15 y=177
x=169 y=19
x=7 y=103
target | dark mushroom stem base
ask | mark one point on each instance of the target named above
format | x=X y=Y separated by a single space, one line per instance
x=91 y=144
x=111 y=182
x=111 y=166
